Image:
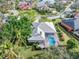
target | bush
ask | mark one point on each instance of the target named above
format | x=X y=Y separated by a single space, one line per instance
x=71 y=43
x=35 y=46
x=60 y=34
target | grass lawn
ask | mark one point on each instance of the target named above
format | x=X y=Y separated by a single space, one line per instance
x=44 y=19
x=28 y=52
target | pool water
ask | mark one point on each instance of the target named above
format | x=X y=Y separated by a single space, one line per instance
x=51 y=41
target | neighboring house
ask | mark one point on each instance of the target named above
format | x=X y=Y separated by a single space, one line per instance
x=24 y=5
x=64 y=1
x=43 y=4
x=76 y=15
x=68 y=23
x=13 y=12
x=45 y=34
x=71 y=24
x=69 y=10
x=75 y=5
x=49 y=1
x=3 y=18
x=77 y=24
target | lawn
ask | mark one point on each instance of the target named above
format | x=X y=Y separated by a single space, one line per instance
x=26 y=53
x=45 y=19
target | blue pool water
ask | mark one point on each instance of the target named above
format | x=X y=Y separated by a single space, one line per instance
x=51 y=41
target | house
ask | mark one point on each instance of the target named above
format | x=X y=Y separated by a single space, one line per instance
x=3 y=18
x=71 y=24
x=49 y=1
x=76 y=15
x=75 y=5
x=68 y=23
x=13 y=12
x=24 y=5
x=43 y=4
x=45 y=34
x=64 y=1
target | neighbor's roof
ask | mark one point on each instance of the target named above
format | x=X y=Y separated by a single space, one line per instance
x=47 y=27
x=50 y=1
x=76 y=15
x=42 y=2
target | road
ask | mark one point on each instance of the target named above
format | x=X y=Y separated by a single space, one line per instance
x=67 y=7
x=60 y=14
x=57 y=16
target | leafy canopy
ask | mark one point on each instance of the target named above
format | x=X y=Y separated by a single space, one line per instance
x=17 y=30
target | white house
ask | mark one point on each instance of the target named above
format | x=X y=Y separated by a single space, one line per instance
x=13 y=12
x=50 y=1
x=43 y=4
x=3 y=17
x=42 y=34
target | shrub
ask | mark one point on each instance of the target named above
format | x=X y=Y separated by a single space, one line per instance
x=71 y=43
x=60 y=34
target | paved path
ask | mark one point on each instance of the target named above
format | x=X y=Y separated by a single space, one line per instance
x=60 y=14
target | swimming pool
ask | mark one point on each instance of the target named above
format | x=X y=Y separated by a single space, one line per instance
x=51 y=41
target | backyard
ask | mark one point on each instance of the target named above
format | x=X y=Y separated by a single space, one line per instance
x=17 y=29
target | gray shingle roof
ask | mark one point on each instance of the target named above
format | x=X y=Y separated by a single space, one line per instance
x=35 y=38
x=46 y=28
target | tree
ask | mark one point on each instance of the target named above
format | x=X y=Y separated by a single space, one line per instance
x=71 y=43
x=59 y=6
x=17 y=31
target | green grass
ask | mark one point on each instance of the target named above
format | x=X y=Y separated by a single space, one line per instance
x=44 y=19
x=26 y=53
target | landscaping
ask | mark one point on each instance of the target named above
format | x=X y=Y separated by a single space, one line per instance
x=30 y=30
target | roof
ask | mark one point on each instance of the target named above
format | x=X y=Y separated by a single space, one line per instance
x=76 y=15
x=69 y=28
x=42 y=2
x=69 y=21
x=36 y=38
x=50 y=1
x=47 y=27
x=24 y=5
